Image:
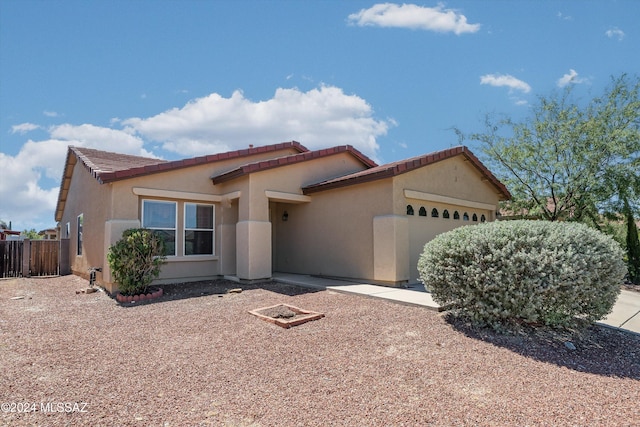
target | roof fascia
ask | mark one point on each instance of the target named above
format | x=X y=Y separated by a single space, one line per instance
x=399 y=168
x=195 y=161
x=65 y=183
x=291 y=160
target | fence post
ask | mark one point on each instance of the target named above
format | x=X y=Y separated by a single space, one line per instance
x=65 y=264
x=26 y=258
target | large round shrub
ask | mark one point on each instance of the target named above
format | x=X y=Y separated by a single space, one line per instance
x=135 y=260
x=536 y=272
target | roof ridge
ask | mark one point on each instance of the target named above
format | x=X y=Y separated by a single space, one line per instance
x=261 y=165
x=198 y=160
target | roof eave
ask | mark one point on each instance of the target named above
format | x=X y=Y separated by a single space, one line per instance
x=63 y=192
x=291 y=160
x=315 y=188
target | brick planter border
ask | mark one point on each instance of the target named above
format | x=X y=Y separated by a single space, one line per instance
x=124 y=299
x=302 y=316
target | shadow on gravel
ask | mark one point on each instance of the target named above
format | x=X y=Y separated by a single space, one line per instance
x=596 y=350
x=178 y=291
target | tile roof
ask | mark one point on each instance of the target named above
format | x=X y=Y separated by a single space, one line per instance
x=106 y=166
x=403 y=166
x=289 y=160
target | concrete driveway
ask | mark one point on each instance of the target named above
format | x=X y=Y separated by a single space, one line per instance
x=625 y=314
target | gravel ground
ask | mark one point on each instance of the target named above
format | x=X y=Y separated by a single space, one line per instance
x=196 y=357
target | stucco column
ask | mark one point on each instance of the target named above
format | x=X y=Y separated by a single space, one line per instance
x=227 y=255
x=253 y=250
x=253 y=236
x=391 y=248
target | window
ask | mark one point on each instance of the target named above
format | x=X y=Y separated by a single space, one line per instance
x=67 y=231
x=79 y=236
x=434 y=213
x=422 y=211
x=483 y=218
x=161 y=216
x=409 y=210
x=198 y=229
x=456 y=215
x=475 y=217
x=465 y=217
x=445 y=214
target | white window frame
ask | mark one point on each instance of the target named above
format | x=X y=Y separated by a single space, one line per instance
x=175 y=224
x=186 y=228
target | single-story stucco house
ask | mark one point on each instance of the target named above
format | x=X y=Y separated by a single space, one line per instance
x=276 y=208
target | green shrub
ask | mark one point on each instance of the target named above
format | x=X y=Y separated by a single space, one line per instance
x=135 y=260
x=503 y=274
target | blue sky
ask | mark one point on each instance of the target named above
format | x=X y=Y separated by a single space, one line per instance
x=176 y=79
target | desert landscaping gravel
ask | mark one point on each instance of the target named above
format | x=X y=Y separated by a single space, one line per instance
x=196 y=357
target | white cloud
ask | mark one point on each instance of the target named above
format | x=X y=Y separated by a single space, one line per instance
x=416 y=17
x=507 y=80
x=25 y=201
x=27 y=197
x=23 y=128
x=615 y=33
x=321 y=117
x=564 y=17
x=101 y=138
x=571 y=78
x=318 y=118
x=50 y=113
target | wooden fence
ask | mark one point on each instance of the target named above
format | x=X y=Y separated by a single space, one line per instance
x=11 y=258
x=27 y=258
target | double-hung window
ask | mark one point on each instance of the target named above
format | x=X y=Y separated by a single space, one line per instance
x=198 y=229
x=160 y=216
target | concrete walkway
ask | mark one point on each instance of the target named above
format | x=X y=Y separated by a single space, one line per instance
x=625 y=314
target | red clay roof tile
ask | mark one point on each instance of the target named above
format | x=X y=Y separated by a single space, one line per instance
x=288 y=160
x=107 y=167
x=403 y=166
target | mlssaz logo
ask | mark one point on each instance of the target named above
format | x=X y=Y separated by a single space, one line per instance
x=67 y=407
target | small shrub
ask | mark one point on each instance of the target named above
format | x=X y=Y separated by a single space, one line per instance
x=135 y=260
x=503 y=274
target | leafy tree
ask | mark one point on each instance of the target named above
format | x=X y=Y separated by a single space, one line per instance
x=571 y=162
x=633 y=249
x=31 y=234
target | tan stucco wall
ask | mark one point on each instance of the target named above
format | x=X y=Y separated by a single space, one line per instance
x=363 y=232
x=332 y=235
x=454 y=177
x=258 y=232
x=116 y=202
x=390 y=249
x=360 y=231
x=95 y=212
